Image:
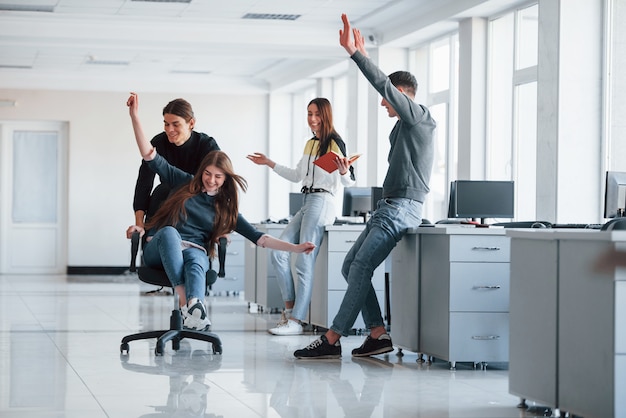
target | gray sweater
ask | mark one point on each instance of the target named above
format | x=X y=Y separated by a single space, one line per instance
x=412 y=138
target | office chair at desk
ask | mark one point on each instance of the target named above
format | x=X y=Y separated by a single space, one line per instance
x=175 y=333
x=616 y=224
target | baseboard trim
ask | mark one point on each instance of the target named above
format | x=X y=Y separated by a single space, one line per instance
x=90 y=270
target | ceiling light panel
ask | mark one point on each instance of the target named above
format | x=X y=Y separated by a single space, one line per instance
x=270 y=16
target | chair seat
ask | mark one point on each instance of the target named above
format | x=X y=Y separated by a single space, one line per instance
x=158 y=277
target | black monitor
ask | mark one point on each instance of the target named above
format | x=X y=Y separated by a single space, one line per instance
x=377 y=194
x=296 y=200
x=481 y=199
x=357 y=201
x=615 y=194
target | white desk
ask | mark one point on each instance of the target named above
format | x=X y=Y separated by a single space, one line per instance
x=449 y=293
x=261 y=286
x=568 y=323
x=329 y=286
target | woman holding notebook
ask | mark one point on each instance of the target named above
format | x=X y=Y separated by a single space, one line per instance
x=318 y=210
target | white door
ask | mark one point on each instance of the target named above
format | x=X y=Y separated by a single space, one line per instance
x=33 y=197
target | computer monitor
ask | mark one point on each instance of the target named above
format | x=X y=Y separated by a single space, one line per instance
x=357 y=201
x=296 y=200
x=615 y=194
x=377 y=194
x=481 y=199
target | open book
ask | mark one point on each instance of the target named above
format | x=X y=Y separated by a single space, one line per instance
x=327 y=161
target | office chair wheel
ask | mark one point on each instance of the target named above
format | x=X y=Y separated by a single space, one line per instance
x=217 y=349
x=124 y=348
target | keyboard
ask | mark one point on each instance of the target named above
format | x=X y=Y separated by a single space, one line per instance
x=578 y=226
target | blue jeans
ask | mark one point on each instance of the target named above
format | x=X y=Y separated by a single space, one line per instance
x=307 y=225
x=186 y=267
x=382 y=232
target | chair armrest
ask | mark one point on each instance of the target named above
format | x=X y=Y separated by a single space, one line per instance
x=221 y=256
x=134 y=249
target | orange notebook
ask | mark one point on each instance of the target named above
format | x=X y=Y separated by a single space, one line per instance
x=327 y=161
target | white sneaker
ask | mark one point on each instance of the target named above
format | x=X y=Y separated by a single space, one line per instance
x=195 y=317
x=290 y=327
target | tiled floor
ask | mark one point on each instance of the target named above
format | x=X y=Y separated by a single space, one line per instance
x=60 y=357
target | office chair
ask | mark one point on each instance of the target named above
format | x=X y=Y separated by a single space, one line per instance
x=175 y=333
x=524 y=224
x=614 y=225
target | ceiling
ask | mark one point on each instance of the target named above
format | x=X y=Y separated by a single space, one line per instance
x=204 y=46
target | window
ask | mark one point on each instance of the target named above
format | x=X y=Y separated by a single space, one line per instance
x=512 y=105
x=439 y=59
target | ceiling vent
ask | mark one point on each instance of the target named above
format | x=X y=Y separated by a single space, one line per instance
x=96 y=61
x=270 y=16
x=27 y=8
x=164 y=1
x=200 y=72
x=16 y=67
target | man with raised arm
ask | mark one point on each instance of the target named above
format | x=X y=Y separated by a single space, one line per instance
x=404 y=189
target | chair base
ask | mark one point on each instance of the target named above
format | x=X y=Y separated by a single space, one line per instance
x=176 y=333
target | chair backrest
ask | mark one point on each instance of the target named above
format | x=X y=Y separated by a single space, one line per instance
x=157 y=276
x=614 y=224
x=524 y=224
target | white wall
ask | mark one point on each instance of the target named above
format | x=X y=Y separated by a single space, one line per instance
x=103 y=158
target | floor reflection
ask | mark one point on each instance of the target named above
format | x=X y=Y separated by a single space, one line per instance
x=60 y=358
x=187 y=370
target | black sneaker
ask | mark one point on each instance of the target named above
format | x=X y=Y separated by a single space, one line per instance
x=319 y=349
x=371 y=347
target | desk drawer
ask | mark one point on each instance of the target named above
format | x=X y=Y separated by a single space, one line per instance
x=479 y=287
x=479 y=337
x=476 y=248
x=234 y=251
x=342 y=241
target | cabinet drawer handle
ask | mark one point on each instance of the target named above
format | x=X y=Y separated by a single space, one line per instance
x=232 y=252
x=232 y=279
x=485 y=248
x=485 y=337
x=350 y=241
x=494 y=287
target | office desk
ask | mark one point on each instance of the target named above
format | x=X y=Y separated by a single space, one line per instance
x=568 y=323
x=261 y=285
x=449 y=293
x=329 y=286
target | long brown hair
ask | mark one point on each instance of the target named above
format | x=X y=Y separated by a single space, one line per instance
x=327 y=131
x=226 y=200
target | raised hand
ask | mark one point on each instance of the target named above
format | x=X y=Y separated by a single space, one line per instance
x=359 y=42
x=133 y=104
x=345 y=37
x=145 y=147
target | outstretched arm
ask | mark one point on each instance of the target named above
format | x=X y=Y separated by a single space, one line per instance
x=145 y=148
x=351 y=39
x=267 y=241
x=261 y=159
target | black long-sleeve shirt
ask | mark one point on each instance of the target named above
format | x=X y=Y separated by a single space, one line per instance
x=187 y=157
